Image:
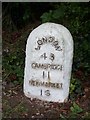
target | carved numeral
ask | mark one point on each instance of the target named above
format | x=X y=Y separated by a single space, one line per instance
x=52 y=56
x=47 y=93
x=41 y=92
x=43 y=74
x=48 y=76
x=44 y=56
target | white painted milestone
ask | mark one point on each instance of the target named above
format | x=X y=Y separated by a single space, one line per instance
x=48 y=63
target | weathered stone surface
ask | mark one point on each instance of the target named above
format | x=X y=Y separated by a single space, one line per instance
x=48 y=63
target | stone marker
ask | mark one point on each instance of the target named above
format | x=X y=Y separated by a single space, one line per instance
x=48 y=63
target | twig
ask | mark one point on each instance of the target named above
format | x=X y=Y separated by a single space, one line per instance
x=15 y=87
x=6 y=76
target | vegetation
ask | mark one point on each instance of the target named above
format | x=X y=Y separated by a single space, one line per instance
x=19 y=19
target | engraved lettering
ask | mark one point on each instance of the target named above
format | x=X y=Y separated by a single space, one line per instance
x=39 y=42
x=58 y=48
x=45 y=84
x=57 y=85
x=59 y=67
x=33 y=65
x=32 y=82
x=44 y=40
x=50 y=39
x=46 y=66
x=38 y=47
x=55 y=43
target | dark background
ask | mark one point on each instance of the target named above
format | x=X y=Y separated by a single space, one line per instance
x=18 y=20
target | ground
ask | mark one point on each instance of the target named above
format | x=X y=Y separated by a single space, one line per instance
x=17 y=105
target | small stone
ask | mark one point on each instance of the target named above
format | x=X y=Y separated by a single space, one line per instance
x=4 y=93
x=15 y=92
x=42 y=115
x=31 y=99
x=37 y=113
x=33 y=117
x=86 y=90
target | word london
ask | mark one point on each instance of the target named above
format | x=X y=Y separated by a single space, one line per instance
x=50 y=39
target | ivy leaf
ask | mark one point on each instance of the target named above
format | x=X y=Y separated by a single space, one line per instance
x=75 y=108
